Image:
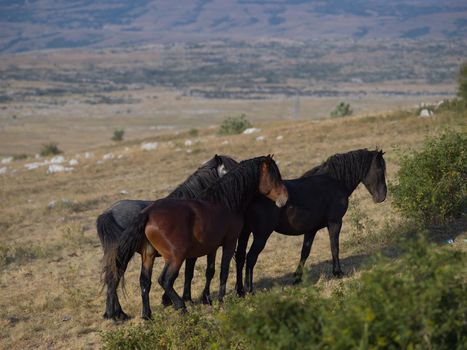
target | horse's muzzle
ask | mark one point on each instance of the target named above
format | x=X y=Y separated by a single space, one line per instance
x=282 y=199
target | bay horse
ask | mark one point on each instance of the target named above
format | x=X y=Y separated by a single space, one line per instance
x=114 y=220
x=177 y=229
x=318 y=199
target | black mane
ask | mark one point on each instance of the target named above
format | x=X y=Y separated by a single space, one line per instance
x=202 y=178
x=349 y=168
x=238 y=186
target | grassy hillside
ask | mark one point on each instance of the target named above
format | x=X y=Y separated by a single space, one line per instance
x=50 y=253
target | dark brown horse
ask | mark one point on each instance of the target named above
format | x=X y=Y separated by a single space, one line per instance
x=178 y=229
x=318 y=199
x=114 y=220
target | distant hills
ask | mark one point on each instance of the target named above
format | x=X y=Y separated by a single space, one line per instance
x=42 y=24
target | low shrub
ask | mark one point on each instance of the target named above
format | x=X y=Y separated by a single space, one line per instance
x=50 y=149
x=118 y=135
x=342 y=110
x=431 y=184
x=234 y=125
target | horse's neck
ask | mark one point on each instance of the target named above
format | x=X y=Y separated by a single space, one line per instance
x=348 y=177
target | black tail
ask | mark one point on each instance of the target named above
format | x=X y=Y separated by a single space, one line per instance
x=108 y=230
x=123 y=249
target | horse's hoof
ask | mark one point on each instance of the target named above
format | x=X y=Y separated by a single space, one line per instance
x=240 y=292
x=166 y=301
x=147 y=317
x=206 y=300
x=297 y=280
x=187 y=300
x=338 y=274
x=122 y=317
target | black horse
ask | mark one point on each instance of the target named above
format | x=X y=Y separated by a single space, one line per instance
x=318 y=199
x=113 y=221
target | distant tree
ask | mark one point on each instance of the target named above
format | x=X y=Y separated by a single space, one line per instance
x=462 y=80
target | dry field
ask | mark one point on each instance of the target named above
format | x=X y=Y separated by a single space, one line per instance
x=50 y=291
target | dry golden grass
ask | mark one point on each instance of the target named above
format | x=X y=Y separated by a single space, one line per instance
x=50 y=292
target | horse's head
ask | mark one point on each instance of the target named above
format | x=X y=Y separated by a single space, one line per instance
x=224 y=164
x=270 y=182
x=375 y=178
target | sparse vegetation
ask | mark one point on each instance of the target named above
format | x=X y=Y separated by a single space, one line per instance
x=234 y=125
x=193 y=132
x=118 y=135
x=50 y=149
x=342 y=110
x=432 y=183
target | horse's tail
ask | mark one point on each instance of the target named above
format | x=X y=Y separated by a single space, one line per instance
x=108 y=230
x=118 y=256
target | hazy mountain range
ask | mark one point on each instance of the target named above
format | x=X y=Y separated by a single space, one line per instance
x=40 y=24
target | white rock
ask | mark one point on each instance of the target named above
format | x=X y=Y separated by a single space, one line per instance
x=57 y=168
x=88 y=155
x=57 y=160
x=251 y=130
x=73 y=162
x=108 y=156
x=280 y=137
x=123 y=192
x=188 y=143
x=3 y=170
x=225 y=142
x=7 y=160
x=425 y=113
x=38 y=156
x=149 y=146
x=31 y=166
x=261 y=138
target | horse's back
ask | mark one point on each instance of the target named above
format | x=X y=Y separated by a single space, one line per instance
x=124 y=211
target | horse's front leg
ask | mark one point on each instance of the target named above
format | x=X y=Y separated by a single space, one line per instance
x=306 y=248
x=189 y=270
x=334 y=228
x=228 y=250
x=240 y=255
x=259 y=242
x=210 y=270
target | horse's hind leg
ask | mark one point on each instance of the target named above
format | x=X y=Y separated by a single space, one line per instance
x=240 y=255
x=189 y=270
x=167 y=279
x=147 y=257
x=306 y=247
x=210 y=270
x=334 y=229
x=113 y=309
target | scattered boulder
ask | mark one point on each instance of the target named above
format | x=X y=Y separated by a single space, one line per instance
x=251 y=130
x=149 y=146
x=57 y=168
x=57 y=160
x=7 y=160
x=425 y=112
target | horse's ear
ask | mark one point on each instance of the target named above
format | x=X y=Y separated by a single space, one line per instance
x=272 y=156
x=217 y=158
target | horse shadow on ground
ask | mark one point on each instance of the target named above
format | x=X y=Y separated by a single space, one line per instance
x=323 y=270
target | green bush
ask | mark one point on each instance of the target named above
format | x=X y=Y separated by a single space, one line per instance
x=234 y=125
x=415 y=302
x=118 y=135
x=342 y=110
x=50 y=149
x=432 y=183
